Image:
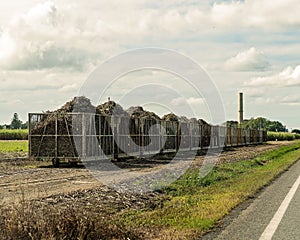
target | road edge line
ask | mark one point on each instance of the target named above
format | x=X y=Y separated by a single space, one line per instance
x=273 y=225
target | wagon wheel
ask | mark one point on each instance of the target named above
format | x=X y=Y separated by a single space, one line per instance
x=55 y=162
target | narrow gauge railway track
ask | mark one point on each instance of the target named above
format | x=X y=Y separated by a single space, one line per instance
x=39 y=182
x=43 y=181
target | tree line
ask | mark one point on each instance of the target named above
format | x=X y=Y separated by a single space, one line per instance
x=261 y=123
x=15 y=123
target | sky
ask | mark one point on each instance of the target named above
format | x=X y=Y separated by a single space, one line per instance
x=48 y=49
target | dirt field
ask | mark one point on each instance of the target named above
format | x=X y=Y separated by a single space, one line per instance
x=23 y=179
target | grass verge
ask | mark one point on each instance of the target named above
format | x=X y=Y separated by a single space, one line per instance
x=14 y=146
x=196 y=204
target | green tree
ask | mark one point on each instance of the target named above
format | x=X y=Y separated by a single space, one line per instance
x=256 y=123
x=297 y=131
x=263 y=123
x=232 y=124
x=16 y=123
x=24 y=125
x=276 y=126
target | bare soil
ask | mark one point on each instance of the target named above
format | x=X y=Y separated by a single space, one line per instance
x=21 y=178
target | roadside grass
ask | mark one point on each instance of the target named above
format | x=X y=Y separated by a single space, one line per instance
x=13 y=134
x=14 y=146
x=197 y=204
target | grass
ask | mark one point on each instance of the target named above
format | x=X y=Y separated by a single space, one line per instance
x=13 y=134
x=14 y=146
x=197 y=204
x=282 y=136
x=32 y=221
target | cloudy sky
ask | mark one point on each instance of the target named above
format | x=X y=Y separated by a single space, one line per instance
x=49 y=48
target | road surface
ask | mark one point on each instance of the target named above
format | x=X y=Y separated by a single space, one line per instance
x=273 y=214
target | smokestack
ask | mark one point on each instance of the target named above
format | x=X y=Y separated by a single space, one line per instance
x=241 y=108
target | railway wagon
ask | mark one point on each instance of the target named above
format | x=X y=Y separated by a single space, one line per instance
x=71 y=137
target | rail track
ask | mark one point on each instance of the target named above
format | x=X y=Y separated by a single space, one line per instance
x=35 y=179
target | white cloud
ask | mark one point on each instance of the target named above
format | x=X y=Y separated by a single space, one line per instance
x=41 y=14
x=7 y=46
x=14 y=82
x=254 y=92
x=288 y=77
x=224 y=13
x=60 y=35
x=178 y=101
x=41 y=39
x=195 y=101
x=47 y=41
x=264 y=14
x=291 y=100
x=37 y=91
x=69 y=88
x=249 y=60
x=191 y=101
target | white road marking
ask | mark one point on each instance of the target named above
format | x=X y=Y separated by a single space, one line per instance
x=273 y=225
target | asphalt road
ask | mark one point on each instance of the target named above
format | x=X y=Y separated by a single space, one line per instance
x=272 y=214
x=289 y=227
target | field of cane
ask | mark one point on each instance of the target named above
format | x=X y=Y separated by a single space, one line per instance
x=282 y=136
x=13 y=134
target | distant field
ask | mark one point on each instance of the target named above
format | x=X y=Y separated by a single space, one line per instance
x=14 y=146
x=282 y=136
x=18 y=134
